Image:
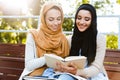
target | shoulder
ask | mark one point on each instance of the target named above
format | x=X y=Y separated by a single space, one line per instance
x=30 y=38
x=29 y=35
x=101 y=37
x=101 y=40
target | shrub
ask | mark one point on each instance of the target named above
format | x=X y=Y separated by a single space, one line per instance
x=112 y=41
x=67 y=24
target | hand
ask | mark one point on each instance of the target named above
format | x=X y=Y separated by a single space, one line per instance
x=59 y=67
x=70 y=67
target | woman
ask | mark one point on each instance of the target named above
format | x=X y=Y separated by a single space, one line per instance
x=45 y=40
x=85 y=41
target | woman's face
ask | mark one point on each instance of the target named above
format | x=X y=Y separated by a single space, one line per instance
x=53 y=19
x=83 y=20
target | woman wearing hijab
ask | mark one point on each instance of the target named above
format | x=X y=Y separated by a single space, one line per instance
x=86 y=41
x=47 y=39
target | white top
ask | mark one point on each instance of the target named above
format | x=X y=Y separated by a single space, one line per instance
x=31 y=60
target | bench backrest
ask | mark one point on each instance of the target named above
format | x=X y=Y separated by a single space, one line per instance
x=11 y=61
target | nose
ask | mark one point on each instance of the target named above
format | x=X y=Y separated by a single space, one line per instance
x=56 y=22
x=82 y=21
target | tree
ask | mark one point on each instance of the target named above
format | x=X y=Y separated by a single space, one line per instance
x=99 y=5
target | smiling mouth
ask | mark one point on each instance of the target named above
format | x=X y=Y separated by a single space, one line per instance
x=82 y=27
x=54 y=27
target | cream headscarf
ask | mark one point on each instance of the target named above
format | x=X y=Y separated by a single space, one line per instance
x=48 y=41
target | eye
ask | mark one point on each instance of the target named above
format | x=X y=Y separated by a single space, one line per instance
x=50 y=19
x=87 y=18
x=78 y=17
x=59 y=18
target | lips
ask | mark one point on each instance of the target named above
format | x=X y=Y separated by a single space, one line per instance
x=81 y=26
x=55 y=27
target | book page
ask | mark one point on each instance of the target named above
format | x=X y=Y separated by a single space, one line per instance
x=70 y=58
x=54 y=56
x=79 y=61
x=51 y=60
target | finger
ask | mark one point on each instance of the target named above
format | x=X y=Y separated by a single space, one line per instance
x=72 y=64
x=59 y=66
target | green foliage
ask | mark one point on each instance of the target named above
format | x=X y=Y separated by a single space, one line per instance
x=101 y=7
x=85 y=1
x=112 y=41
x=12 y=38
x=99 y=4
x=67 y=24
x=118 y=1
x=15 y=24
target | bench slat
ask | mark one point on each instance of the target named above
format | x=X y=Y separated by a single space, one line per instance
x=112 y=64
x=9 y=77
x=109 y=68
x=113 y=75
x=12 y=50
x=4 y=58
x=12 y=64
x=11 y=71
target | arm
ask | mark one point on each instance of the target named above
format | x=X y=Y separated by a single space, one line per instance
x=31 y=60
x=97 y=65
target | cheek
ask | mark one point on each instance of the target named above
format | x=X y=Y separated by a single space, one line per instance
x=89 y=23
x=48 y=23
x=77 y=21
x=59 y=22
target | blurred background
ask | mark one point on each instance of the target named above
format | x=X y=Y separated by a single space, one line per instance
x=18 y=16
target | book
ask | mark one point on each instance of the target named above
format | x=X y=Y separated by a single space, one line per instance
x=46 y=78
x=51 y=60
x=75 y=76
x=37 y=78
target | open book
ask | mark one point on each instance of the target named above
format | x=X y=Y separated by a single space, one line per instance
x=51 y=60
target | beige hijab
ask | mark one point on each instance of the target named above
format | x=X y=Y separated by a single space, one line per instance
x=48 y=41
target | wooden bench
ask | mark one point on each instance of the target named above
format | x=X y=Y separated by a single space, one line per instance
x=12 y=62
x=112 y=64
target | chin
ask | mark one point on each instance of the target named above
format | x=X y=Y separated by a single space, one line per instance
x=55 y=30
x=81 y=30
